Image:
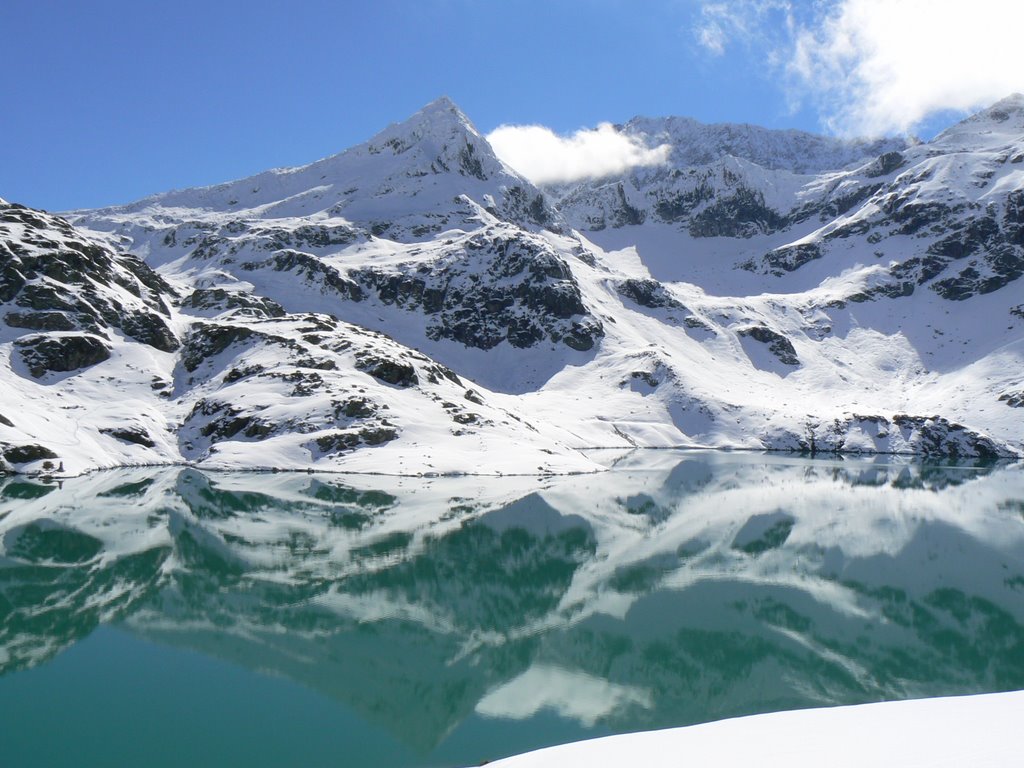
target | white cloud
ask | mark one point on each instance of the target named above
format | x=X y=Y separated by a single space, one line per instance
x=873 y=67
x=544 y=157
x=878 y=66
x=712 y=36
x=750 y=22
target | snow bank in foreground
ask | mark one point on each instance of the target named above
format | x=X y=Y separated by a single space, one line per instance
x=977 y=731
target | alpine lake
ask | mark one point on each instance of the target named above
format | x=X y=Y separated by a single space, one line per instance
x=166 y=617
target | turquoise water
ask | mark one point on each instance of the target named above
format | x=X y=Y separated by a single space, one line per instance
x=169 y=617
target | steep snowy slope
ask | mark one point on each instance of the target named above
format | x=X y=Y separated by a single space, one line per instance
x=88 y=340
x=762 y=289
x=421 y=232
x=106 y=364
x=888 y=286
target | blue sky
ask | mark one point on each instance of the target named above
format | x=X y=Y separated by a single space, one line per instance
x=107 y=101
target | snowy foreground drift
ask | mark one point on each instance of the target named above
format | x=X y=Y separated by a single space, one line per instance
x=415 y=305
x=979 y=731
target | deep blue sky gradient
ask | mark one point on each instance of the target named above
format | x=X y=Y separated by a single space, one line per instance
x=105 y=101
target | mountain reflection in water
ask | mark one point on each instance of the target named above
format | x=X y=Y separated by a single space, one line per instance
x=677 y=588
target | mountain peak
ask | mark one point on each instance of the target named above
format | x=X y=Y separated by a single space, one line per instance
x=441 y=105
x=414 y=170
x=1013 y=102
x=440 y=118
x=695 y=143
x=1002 y=120
x=1002 y=111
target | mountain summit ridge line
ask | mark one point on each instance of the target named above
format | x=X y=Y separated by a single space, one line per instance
x=415 y=305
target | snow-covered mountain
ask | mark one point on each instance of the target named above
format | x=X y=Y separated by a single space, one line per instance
x=414 y=304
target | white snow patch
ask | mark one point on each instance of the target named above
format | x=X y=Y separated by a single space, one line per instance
x=979 y=731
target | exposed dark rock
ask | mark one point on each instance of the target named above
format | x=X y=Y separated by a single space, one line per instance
x=997 y=268
x=304 y=383
x=40 y=321
x=357 y=408
x=974 y=236
x=679 y=207
x=924 y=435
x=151 y=329
x=777 y=344
x=436 y=372
x=648 y=293
x=892 y=289
x=227 y=421
x=207 y=340
x=223 y=301
x=520 y=205
x=377 y=435
x=45 y=353
x=396 y=372
x=342 y=442
x=49 y=298
x=646 y=377
x=237 y=374
x=583 y=335
x=495 y=288
x=694 y=322
x=912 y=217
x=1013 y=399
x=958 y=288
x=145 y=275
x=839 y=204
x=788 y=258
x=1013 y=217
x=313 y=269
x=135 y=435
x=71 y=284
x=338 y=442
x=936 y=435
x=626 y=214
x=744 y=214
x=319 y=363
x=885 y=165
x=11 y=278
x=469 y=163
x=317 y=236
x=23 y=454
x=996 y=258
x=523 y=333
x=849 y=229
